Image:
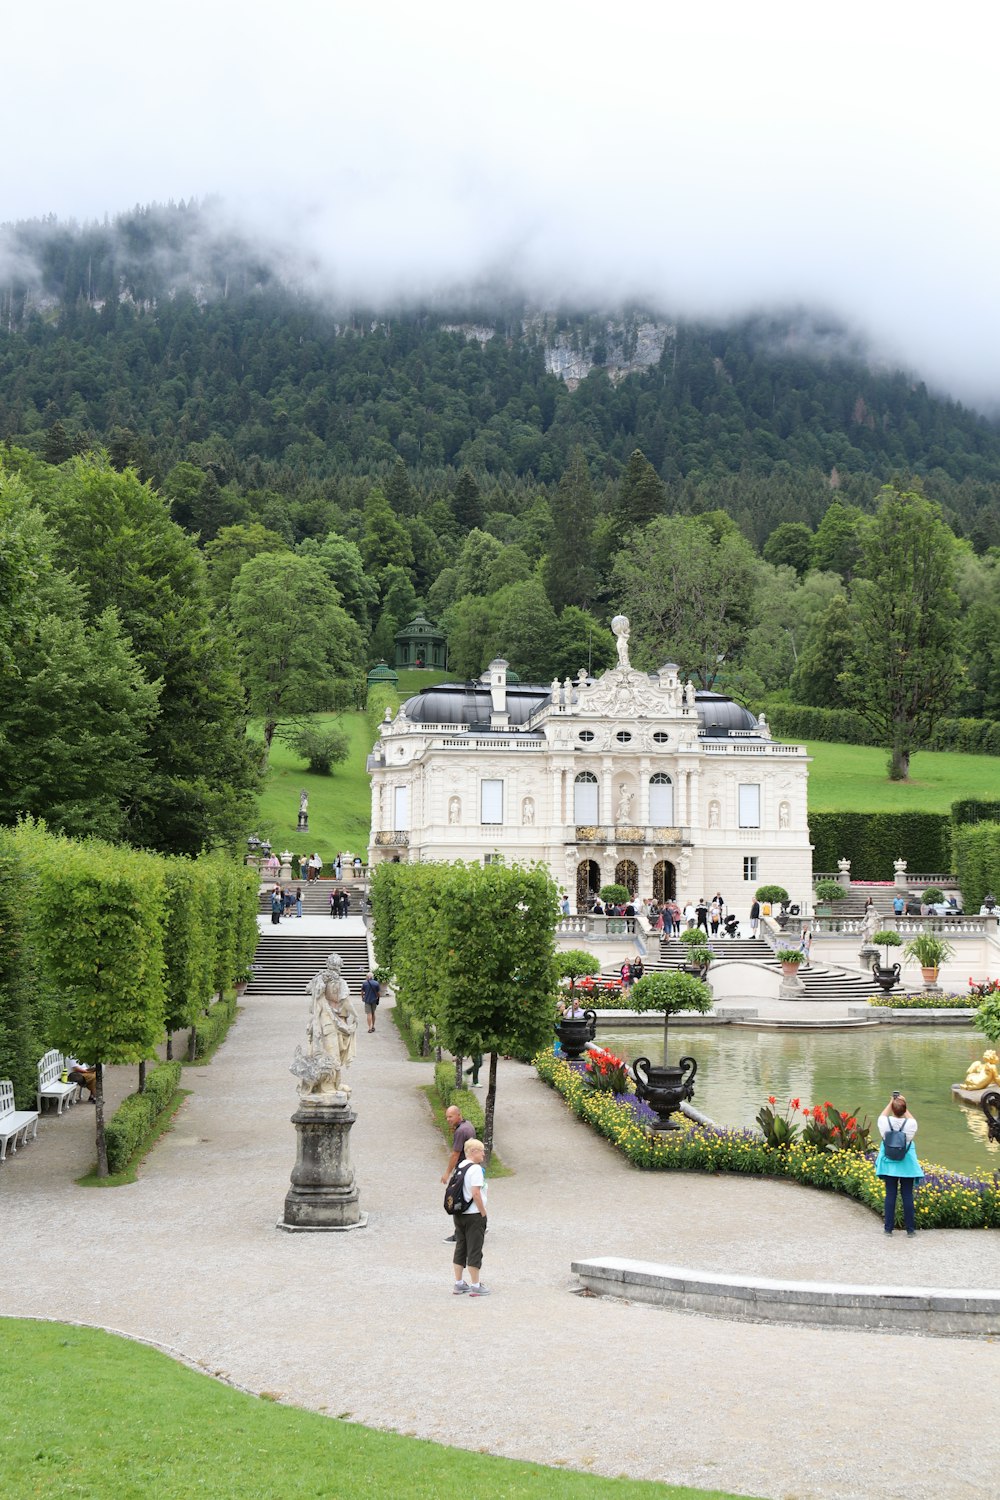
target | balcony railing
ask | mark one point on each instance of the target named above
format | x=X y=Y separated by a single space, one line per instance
x=392 y=839
x=592 y=833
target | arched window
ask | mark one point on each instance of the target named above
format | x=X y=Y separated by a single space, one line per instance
x=661 y=800
x=585 y=803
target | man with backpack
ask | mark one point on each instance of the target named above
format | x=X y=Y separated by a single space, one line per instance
x=469 y=1213
x=462 y=1131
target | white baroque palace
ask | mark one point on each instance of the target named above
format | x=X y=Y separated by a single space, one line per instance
x=628 y=777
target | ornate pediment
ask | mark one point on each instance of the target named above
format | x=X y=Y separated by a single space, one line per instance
x=624 y=693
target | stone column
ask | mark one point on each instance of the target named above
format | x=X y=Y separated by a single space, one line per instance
x=324 y=1195
x=606 y=809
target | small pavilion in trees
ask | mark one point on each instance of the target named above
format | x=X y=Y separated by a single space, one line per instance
x=421 y=644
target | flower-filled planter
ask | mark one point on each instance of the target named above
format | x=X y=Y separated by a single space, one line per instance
x=790 y=960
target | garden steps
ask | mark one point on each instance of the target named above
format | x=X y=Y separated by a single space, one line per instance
x=316 y=895
x=284 y=964
x=820 y=982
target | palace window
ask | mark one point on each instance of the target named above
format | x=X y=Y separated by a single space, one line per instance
x=586 y=735
x=661 y=800
x=401 y=808
x=585 y=799
x=491 y=802
x=623 y=737
x=749 y=805
x=749 y=867
x=660 y=737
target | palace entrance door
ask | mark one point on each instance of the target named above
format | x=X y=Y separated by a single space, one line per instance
x=664 y=881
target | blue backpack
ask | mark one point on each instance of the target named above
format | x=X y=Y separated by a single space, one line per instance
x=895 y=1144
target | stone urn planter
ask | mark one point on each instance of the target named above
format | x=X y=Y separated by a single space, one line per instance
x=886 y=975
x=575 y=1034
x=888 y=978
x=664 y=1087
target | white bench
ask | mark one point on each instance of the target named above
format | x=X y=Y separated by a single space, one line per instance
x=14 y=1122
x=50 y=1085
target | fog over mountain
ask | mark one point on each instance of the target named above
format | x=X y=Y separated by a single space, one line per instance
x=707 y=165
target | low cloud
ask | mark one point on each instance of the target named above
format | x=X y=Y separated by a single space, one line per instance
x=706 y=166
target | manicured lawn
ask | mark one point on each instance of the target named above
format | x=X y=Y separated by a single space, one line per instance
x=851 y=778
x=339 y=804
x=96 y=1417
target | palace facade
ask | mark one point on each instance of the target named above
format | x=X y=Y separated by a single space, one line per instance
x=629 y=777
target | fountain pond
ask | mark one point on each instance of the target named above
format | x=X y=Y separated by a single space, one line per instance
x=739 y=1067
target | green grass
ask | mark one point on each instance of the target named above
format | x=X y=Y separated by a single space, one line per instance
x=852 y=778
x=93 y=1416
x=339 y=804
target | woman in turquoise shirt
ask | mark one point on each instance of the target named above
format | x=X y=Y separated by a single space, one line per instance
x=899 y=1176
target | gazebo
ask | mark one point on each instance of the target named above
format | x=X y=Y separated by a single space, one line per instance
x=421 y=644
x=382 y=672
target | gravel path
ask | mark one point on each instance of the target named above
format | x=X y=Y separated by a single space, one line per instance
x=365 y=1324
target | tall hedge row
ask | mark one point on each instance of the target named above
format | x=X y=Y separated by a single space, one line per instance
x=797 y=721
x=872 y=841
x=977 y=861
x=103 y=946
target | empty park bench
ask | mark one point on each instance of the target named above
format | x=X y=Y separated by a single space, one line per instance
x=50 y=1085
x=14 y=1123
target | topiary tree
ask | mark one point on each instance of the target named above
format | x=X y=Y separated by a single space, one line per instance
x=888 y=939
x=670 y=992
x=98 y=919
x=616 y=895
x=574 y=963
x=829 y=890
x=771 y=893
x=933 y=894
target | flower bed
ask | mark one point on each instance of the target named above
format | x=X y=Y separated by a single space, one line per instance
x=921 y=1001
x=948 y=1200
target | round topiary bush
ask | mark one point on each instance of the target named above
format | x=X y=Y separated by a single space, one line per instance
x=616 y=895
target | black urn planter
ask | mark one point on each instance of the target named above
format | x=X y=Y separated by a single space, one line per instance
x=664 y=1088
x=887 y=978
x=576 y=1033
x=990 y=1106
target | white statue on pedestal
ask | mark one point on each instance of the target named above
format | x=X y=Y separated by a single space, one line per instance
x=331 y=1036
x=620 y=627
x=624 y=804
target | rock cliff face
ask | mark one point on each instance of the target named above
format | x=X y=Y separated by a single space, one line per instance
x=618 y=345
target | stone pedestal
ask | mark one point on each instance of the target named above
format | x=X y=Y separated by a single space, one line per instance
x=791 y=988
x=324 y=1194
x=285 y=873
x=303 y=824
x=931 y=991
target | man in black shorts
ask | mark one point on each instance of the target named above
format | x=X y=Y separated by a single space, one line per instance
x=463 y=1132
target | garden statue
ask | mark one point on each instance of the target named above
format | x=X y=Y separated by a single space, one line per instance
x=303 y=823
x=331 y=1036
x=869 y=926
x=624 y=803
x=620 y=626
x=990 y=1106
x=455 y=810
x=984 y=1074
x=528 y=812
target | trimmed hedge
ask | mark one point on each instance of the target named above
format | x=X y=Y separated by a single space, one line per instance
x=798 y=721
x=211 y=1028
x=977 y=861
x=871 y=841
x=463 y=1099
x=136 y=1116
x=972 y=811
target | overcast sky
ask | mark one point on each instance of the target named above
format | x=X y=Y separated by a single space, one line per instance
x=843 y=156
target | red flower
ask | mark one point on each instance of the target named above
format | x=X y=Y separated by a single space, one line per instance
x=827 y=1104
x=806 y=1113
x=794 y=1103
x=771 y=1099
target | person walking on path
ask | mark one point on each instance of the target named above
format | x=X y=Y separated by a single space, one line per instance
x=462 y=1131
x=805 y=947
x=370 y=992
x=901 y=1174
x=298 y=901
x=277 y=905
x=470 y=1224
x=477 y=1061
x=754 y=917
x=701 y=912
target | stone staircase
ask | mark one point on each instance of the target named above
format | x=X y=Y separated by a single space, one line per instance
x=284 y=965
x=316 y=896
x=819 y=982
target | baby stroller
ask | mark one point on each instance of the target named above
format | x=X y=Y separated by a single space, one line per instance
x=732 y=926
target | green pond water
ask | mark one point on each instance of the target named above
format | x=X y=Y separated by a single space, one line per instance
x=739 y=1067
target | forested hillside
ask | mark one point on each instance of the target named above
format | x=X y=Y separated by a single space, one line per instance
x=173 y=341
x=220 y=497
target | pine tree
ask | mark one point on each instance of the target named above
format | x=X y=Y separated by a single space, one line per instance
x=467 y=502
x=570 y=576
x=642 y=495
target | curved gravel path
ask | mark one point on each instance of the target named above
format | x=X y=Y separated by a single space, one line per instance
x=365 y=1323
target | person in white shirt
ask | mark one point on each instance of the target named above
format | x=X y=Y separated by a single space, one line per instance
x=470 y=1224
x=900 y=1175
